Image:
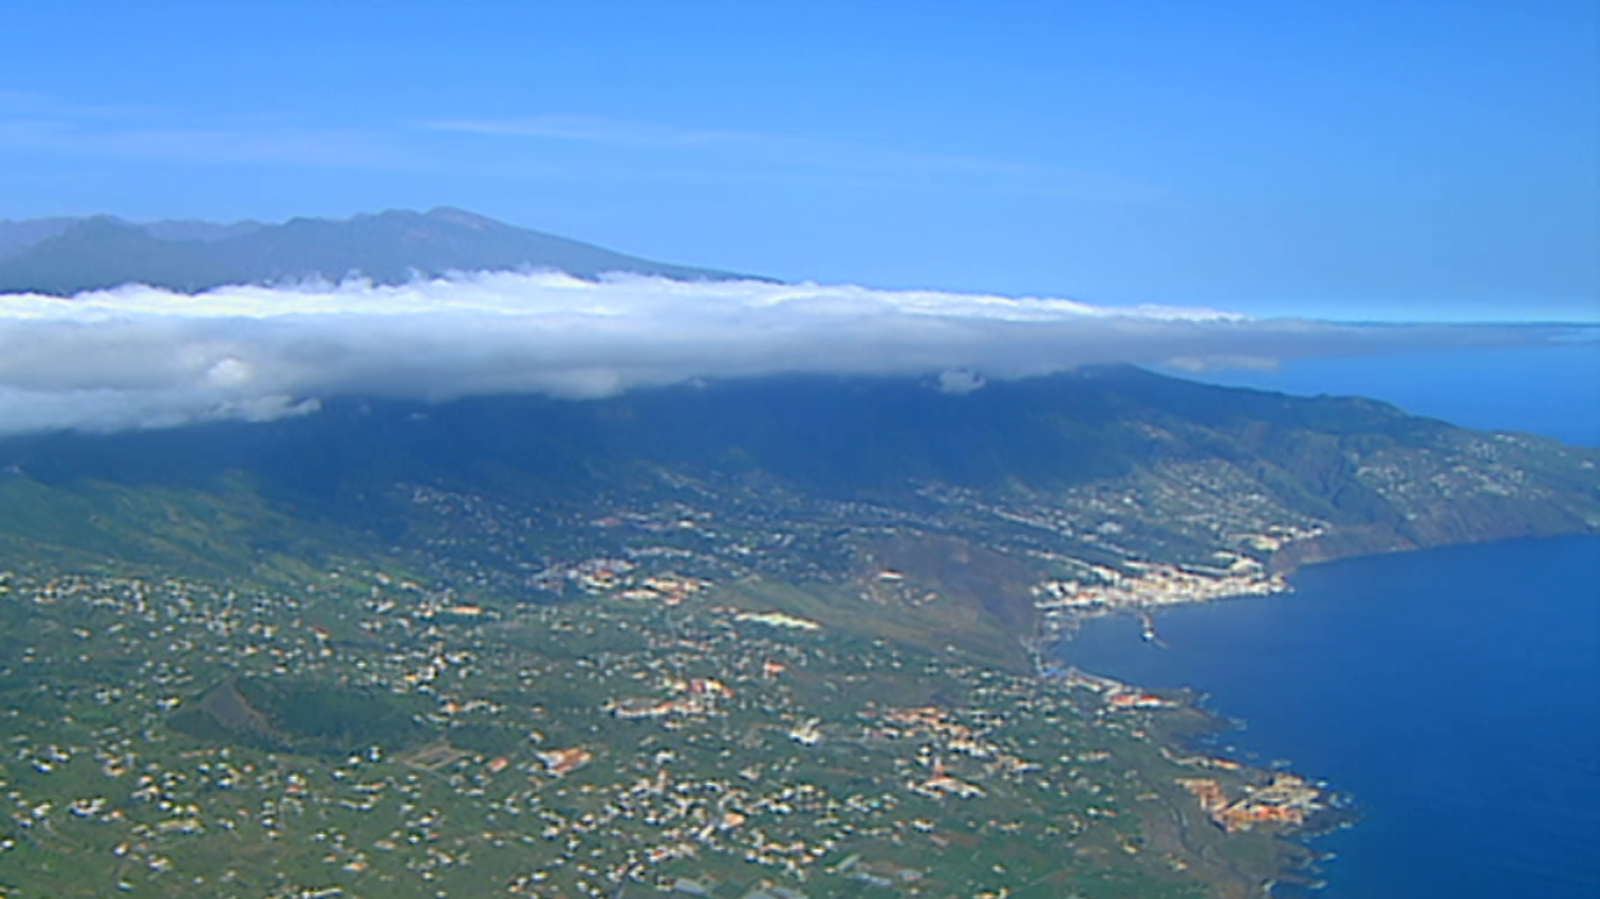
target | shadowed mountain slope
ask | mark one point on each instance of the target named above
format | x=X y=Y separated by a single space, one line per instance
x=1374 y=476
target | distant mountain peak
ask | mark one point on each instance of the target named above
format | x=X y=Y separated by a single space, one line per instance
x=462 y=217
x=69 y=256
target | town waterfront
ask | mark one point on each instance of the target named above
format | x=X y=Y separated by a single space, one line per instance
x=1454 y=693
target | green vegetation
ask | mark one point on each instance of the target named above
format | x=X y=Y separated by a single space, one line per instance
x=451 y=757
x=309 y=717
x=675 y=641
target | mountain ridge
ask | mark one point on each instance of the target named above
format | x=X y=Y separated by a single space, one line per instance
x=1110 y=469
x=66 y=256
x=839 y=587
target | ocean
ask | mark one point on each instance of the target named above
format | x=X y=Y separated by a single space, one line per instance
x=1548 y=389
x=1453 y=693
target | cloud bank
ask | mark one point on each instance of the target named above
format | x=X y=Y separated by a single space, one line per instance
x=139 y=357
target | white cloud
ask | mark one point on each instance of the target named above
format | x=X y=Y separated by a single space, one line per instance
x=960 y=381
x=141 y=357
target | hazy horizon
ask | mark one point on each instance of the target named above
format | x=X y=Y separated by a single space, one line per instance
x=1332 y=161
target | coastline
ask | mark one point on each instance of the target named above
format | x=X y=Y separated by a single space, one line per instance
x=1312 y=680
x=1254 y=835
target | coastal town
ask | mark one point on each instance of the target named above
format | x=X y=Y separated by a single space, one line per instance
x=666 y=734
x=702 y=691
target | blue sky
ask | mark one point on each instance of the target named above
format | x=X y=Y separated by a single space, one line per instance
x=1386 y=160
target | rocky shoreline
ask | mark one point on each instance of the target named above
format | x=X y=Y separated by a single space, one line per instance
x=1252 y=823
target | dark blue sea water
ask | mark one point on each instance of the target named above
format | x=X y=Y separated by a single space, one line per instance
x=1455 y=693
x=1549 y=389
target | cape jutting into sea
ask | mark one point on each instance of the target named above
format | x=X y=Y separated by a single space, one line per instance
x=1454 y=693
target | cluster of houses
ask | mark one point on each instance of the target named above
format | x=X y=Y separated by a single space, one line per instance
x=1286 y=800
